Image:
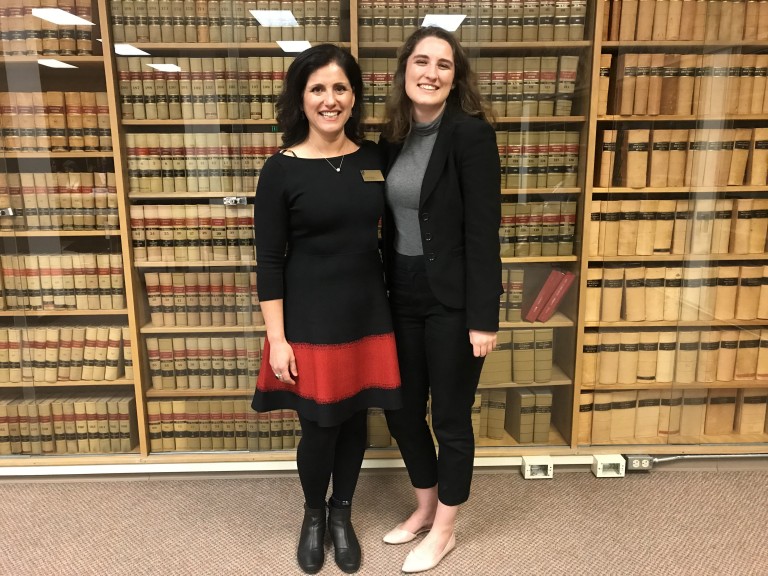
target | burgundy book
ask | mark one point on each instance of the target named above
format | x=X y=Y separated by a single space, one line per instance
x=552 y=281
x=556 y=297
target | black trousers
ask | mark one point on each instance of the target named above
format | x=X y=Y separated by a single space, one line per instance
x=435 y=357
x=331 y=451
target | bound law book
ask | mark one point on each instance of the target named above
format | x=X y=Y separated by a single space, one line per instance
x=590 y=359
x=623 y=415
x=609 y=358
x=601 y=417
x=647 y=414
x=647 y=357
x=586 y=405
x=721 y=411
x=531 y=310
x=519 y=417
x=557 y=296
x=751 y=411
x=628 y=357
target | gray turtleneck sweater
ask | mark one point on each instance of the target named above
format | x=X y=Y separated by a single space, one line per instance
x=404 y=186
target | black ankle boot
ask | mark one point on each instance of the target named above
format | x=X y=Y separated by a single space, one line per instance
x=346 y=548
x=311 y=551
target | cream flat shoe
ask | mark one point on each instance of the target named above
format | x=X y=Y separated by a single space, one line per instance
x=421 y=562
x=398 y=535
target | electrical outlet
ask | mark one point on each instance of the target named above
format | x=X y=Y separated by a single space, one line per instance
x=637 y=462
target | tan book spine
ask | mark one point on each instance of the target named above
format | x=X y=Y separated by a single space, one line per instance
x=601 y=418
x=703 y=226
x=706 y=364
x=739 y=157
x=608 y=365
x=114 y=356
x=669 y=412
x=685 y=84
x=721 y=230
x=664 y=227
x=647 y=414
x=180 y=370
x=660 y=16
x=693 y=411
x=594 y=293
x=590 y=358
x=665 y=359
x=204 y=354
x=758 y=226
x=762 y=357
x=153 y=360
x=167 y=298
x=167 y=367
x=655 y=84
x=654 y=293
x=757 y=168
x=217 y=363
x=623 y=415
x=604 y=84
x=686 y=359
x=721 y=411
x=634 y=164
x=634 y=293
x=746 y=355
x=707 y=293
x=748 y=295
x=647 y=357
x=628 y=227
x=607 y=158
x=690 y=294
x=100 y=354
x=626 y=80
x=678 y=153
x=628 y=357
x=613 y=285
x=586 y=405
x=726 y=355
x=759 y=84
x=751 y=411
x=673 y=280
x=727 y=292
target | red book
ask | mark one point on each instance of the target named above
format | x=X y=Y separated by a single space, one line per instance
x=556 y=297
x=542 y=297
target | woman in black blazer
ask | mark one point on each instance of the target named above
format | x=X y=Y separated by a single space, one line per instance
x=441 y=250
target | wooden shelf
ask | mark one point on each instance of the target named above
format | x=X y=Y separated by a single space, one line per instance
x=55 y=155
x=32 y=59
x=183 y=195
x=56 y=233
x=681 y=190
x=555 y=439
x=558 y=320
x=192 y=47
x=680 y=118
x=200 y=122
x=676 y=44
x=195 y=393
x=537 y=259
x=150 y=329
x=679 y=386
x=559 y=378
x=491 y=45
x=674 y=442
x=198 y=264
x=508 y=120
x=681 y=258
x=542 y=191
x=66 y=383
x=44 y=313
x=675 y=323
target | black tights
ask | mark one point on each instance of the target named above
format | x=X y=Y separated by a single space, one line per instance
x=331 y=451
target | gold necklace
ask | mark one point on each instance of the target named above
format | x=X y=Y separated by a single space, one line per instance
x=326 y=159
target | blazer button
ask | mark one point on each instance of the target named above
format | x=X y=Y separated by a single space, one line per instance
x=425 y=216
x=428 y=236
x=431 y=256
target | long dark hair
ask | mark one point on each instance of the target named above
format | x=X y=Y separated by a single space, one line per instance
x=290 y=104
x=465 y=95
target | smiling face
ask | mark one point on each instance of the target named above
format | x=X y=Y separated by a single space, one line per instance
x=328 y=101
x=429 y=74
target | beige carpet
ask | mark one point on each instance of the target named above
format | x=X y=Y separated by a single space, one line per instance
x=692 y=523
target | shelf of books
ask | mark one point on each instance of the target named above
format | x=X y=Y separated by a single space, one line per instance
x=66 y=345
x=633 y=144
x=671 y=299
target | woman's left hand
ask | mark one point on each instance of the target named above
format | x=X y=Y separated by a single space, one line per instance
x=482 y=342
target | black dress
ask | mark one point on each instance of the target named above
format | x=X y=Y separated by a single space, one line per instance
x=317 y=249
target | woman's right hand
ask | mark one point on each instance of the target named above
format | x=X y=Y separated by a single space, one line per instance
x=283 y=362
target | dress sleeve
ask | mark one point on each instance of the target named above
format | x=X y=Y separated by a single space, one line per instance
x=271 y=230
x=480 y=175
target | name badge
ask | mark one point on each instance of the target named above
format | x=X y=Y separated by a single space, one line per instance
x=372 y=175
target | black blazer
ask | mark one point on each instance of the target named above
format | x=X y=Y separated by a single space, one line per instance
x=459 y=217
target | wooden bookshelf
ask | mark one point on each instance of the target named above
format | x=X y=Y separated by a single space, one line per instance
x=568 y=323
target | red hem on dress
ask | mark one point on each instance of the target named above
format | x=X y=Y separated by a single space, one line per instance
x=333 y=372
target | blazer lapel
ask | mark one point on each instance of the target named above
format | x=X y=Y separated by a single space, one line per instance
x=438 y=157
